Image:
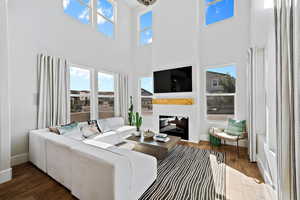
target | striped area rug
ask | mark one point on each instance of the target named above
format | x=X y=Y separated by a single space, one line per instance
x=189 y=174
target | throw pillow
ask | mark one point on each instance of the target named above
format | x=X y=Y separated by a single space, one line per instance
x=94 y=124
x=54 y=130
x=89 y=131
x=104 y=125
x=236 y=127
x=68 y=128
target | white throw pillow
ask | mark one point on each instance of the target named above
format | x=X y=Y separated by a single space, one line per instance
x=89 y=131
x=103 y=125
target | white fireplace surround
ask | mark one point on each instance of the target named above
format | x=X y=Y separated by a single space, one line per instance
x=178 y=110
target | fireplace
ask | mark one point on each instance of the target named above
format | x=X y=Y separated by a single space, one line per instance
x=174 y=125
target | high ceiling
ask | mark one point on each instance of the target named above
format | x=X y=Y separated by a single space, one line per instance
x=132 y=3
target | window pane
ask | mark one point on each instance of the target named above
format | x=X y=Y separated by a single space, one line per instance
x=106 y=107
x=77 y=10
x=80 y=94
x=147 y=86
x=105 y=26
x=221 y=80
x=146 y=37
x=146 y=20
x=106 y=9
x=146 y=95
x=219 y=10
x=106 y=92
x=220 y=107
x=147 y=106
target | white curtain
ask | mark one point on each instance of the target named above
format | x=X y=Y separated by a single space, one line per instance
x=251 y=104
x=287 y=69
x=123 y=96
x=53 y=87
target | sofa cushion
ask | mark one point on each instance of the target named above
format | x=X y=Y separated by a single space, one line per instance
x=110 y=137
x=225 y=136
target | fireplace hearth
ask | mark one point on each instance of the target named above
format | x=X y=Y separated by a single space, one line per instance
x=175 y=126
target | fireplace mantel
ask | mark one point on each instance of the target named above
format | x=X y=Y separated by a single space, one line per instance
x=172 y=101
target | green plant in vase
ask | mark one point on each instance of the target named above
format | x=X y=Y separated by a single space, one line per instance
x=130 y=113
x=138 y=121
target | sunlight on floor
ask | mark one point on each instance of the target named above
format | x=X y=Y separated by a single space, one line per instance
x=239 y=186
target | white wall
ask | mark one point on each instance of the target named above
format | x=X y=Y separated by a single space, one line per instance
x=227 y=42
x=181 y=39
x=5 y=171
x=42 y=27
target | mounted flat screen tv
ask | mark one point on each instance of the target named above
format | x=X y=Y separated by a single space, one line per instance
x=173 y=80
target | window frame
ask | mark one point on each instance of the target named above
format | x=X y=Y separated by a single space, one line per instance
x=94 y=15
x=140 y=93
x=94 y=90
x=206 y=94
x=139 y=30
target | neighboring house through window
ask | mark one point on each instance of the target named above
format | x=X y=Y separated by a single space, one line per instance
x=145 y=28
x=98 y=13
x=220 y=93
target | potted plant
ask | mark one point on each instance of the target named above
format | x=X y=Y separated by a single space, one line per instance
x=138 y=123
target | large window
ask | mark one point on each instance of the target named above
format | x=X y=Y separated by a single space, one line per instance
x=80 y=94
x=146 y=96
x=220 y=93
x=98 y=13
x=145 y=28
x=106 y=95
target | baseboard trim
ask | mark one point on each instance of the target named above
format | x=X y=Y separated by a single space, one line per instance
x=5 y=175
x=204 y=137
x=19 y=159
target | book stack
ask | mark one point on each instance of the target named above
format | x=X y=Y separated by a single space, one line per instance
x=161 y=137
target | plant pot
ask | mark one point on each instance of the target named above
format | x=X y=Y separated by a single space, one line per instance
x=137 y=133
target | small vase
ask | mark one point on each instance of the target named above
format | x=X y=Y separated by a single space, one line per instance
x=137 y=133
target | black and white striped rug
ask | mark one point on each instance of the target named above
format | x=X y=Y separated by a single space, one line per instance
x=189 y=174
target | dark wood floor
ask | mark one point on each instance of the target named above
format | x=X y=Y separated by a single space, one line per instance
x=29 y=183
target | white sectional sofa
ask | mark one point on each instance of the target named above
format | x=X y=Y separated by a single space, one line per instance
x=94 y=168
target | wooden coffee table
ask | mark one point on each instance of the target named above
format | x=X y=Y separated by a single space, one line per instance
x=149 y=146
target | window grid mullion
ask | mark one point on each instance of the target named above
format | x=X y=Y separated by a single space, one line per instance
x=105 y=17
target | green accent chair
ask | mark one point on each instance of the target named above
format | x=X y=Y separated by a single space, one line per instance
x=236 y=130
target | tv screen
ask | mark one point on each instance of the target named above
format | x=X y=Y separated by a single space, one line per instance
x=173 y=80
